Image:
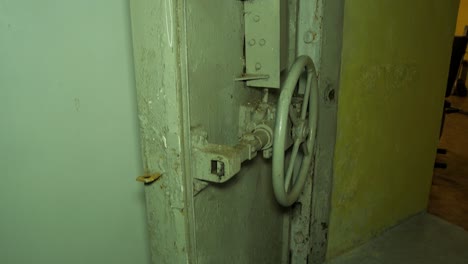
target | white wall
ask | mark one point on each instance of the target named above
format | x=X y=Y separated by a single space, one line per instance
x=69 y=150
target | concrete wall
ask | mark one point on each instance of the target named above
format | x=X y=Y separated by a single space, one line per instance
x=394 y=71
x=69 y=150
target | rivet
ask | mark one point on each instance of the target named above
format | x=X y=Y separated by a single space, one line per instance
x=252 y=42
x=309 y=36
x=258 y=66
x=256 y=18
x=262 y=42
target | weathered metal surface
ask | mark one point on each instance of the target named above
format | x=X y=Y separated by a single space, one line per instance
x=308 y=42
x=185 y=81
x=238 y=221
x=329 y=83
x=266 y=40
x=319 y=35
x=159 y=72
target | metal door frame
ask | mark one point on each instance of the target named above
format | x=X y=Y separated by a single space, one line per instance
x=165 y=125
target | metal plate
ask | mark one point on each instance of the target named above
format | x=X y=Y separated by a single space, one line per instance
x=266 y=40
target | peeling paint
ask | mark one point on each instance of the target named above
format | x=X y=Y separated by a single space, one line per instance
x=168 y=15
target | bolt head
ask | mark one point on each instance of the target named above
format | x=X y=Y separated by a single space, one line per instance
x=258 y=66
x=309 y=36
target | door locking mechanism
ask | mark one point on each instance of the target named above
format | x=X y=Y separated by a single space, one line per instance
x=219 y=163
x=272 y=129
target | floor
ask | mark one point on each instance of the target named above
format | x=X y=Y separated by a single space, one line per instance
x=423 y=239
x=449 y=194
x=437 y=237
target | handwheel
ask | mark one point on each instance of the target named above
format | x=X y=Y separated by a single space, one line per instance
x=286 y=187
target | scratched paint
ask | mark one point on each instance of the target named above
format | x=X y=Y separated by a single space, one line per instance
x=158 y=95
x=168 y=15
x=241 y=215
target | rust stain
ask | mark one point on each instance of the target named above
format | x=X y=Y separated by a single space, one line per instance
x=149 y=178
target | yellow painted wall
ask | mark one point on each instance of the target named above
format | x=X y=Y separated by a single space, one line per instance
x=462 y=19
x=394 y=71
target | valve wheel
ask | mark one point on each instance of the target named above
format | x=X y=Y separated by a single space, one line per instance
x=286 y=187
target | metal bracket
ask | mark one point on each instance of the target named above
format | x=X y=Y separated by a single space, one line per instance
x=266 y=41
x=250 y=77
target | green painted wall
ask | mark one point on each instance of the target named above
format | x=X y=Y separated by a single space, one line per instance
x=394 y=67
x=69 y=150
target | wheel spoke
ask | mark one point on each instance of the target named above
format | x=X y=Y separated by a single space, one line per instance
x=305 y=103
x=292 y=161
x=306 y=147
x=293 y=115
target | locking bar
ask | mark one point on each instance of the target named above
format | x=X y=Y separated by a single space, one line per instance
x=219 y=163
